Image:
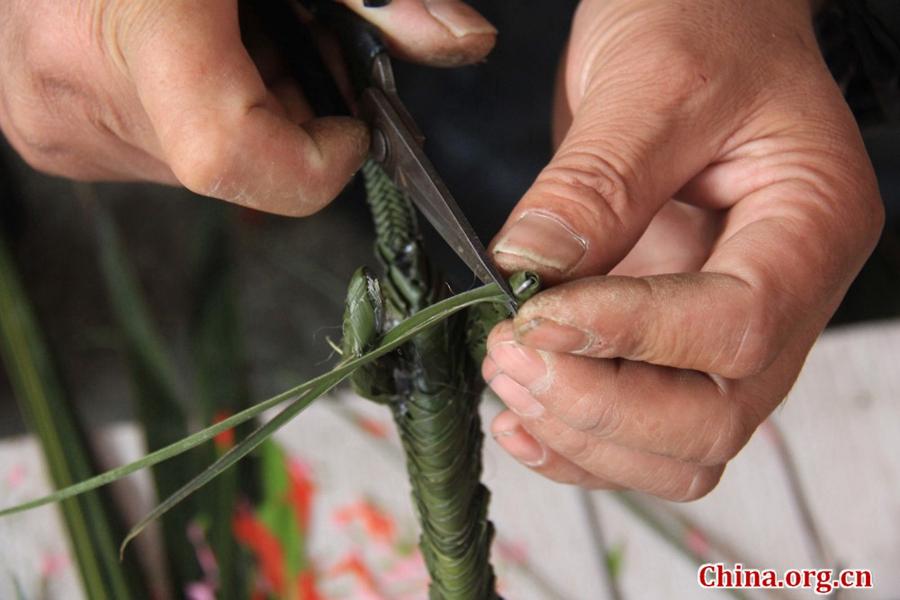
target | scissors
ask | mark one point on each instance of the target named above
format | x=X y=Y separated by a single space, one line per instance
x=396 y=139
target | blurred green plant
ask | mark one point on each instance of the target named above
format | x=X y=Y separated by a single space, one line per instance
x=49 y=414
x=161 y=406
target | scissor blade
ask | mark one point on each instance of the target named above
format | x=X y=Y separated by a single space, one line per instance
x=410 y=168
x=433 y=200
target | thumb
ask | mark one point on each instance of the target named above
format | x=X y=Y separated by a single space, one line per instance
x=434 y=32
x=621 y=159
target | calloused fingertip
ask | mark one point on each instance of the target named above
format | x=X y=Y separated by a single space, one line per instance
x=339 y=147
x=339 y=139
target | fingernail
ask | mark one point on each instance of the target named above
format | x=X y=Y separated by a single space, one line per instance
x=459 y=19
x=541 y=240
x=525 y=365
x=489 y=370
x=516 y=397
x=522 y=446
x=503 y=434
x=555 y=337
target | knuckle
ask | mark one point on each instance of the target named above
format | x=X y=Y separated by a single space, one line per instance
x=584 y=181
x=210 y=160
x=675 y=66
x=37 y=140
x=684 y=74
x=599 y=417
x=575 y=446
x=759 y=339
x=203 y=159
x=40 y=161
x=873 y=214
x=731 y=436
x=53 y=119
x=755 y=352
x=676 y=70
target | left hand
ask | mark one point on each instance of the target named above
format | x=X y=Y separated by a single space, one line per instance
x=710 y=166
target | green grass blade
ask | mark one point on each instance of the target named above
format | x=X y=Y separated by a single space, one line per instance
x=40 y=395
x=246 y=446
x=17 y=586
x=666 y=533
x=416 y=324
x=160 y=399
x=131 y=313
x=221 y=389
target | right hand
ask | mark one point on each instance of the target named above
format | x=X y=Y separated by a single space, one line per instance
x=165 y=91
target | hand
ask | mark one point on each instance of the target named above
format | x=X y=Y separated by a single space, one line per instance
x=708 y=163
x=165 y=91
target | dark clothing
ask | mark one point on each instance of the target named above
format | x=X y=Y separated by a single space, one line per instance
x=861 y=42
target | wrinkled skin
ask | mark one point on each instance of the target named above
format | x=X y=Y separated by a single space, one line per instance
x=708 y=205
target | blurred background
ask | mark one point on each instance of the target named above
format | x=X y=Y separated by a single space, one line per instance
x=488 y=134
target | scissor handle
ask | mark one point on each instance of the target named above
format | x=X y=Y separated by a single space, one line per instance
x=360 y=41
x=279 y=22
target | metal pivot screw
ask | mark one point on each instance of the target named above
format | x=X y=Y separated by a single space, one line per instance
x=379 y=146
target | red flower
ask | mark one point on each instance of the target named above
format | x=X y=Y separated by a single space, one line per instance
x=354 y=565
x=254 y=534
x=301 y=492
x=306 y=586
x=374 y=428
x=377 y=524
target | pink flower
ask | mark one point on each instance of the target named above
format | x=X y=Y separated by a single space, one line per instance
x=696 y=542
x=354 y=565
x=200 y=591
x=16 y=476
x=52 y=564
x=512 y=552
x=408 y=569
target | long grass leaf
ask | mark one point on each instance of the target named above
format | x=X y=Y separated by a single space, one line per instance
x=40 y=394
x=160 y=399
x=17 y=586
x=407 y=329
x=221 y=390
x=247 y=445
